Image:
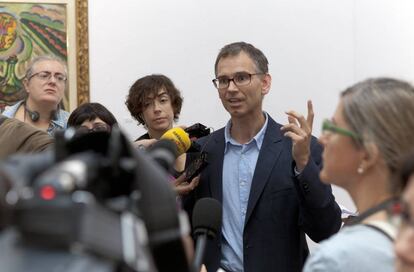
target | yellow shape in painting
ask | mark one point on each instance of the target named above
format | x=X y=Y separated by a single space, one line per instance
x=8 y=32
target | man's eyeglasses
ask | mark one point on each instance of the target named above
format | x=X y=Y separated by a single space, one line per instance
x=46 y=76
x=95 y=128
x=327 y=125
x=239 y=79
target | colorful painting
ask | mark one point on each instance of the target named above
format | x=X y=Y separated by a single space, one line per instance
x=29 y=29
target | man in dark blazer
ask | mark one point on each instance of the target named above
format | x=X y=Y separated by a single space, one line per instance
x=265 y=175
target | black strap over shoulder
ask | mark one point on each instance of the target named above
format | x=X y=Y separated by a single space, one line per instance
x=380 y=207
x=381 y=230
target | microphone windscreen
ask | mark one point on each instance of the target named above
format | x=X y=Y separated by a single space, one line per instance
x=164 y=152
x=207 y=215
x=179 y=137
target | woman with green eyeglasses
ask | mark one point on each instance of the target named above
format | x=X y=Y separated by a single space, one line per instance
x=373 y=125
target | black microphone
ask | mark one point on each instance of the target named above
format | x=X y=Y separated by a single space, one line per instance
x=164 y=152
x=207 y=216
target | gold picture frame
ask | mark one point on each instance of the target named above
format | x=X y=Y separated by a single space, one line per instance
x=29 y=28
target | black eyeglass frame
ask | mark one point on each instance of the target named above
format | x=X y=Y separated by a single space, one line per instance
x=217 y=84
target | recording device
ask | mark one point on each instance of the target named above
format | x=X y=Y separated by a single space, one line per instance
x=89 y=207
x=34 y=115
x=196 y=166
x=197 y=131
x=207 y=216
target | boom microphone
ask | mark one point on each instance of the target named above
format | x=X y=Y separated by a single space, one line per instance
x=179 y=137
x=207 y=216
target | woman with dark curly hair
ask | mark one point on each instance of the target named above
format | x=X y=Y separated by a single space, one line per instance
x=155 y=103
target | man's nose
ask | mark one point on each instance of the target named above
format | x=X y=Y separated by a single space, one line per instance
x=232 y=86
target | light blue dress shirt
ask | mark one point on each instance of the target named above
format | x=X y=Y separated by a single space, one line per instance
x=60 y=122
x=238 y=169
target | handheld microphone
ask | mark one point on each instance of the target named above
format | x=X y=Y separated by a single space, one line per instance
x=179 y=137
x=164 y=152
x=207 y=216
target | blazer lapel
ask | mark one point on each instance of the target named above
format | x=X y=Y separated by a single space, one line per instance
x=268 y=156
x=216 y=157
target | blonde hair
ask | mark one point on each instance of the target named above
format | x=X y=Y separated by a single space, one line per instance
x=381 y=111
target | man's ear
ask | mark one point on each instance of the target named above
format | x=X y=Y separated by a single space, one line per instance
x=266 y=83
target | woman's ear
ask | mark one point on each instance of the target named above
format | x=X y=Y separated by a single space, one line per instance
x=370 y=157
x=26 y=85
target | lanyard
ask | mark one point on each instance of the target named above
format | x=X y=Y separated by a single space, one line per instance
x=381 y=206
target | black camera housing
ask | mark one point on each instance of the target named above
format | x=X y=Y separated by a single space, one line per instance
x=197 y=131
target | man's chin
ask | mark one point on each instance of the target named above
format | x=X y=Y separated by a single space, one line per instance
x=237 y=113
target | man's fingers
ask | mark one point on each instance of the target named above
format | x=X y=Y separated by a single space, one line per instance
x=295 y=137
x=306 y=124
x=292 y=120
x=294 y=129
x=298 y=118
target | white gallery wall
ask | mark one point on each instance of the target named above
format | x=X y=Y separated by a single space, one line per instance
x=316 y=48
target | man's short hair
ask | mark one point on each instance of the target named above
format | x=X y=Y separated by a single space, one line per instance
x=254 y=53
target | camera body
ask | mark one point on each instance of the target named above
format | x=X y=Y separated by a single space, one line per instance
x=197 y=131
x=104 y=202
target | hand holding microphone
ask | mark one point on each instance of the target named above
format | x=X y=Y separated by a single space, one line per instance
x=182 y=186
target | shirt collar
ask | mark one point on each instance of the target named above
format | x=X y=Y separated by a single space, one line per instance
x=258 y=138
x=61 y=119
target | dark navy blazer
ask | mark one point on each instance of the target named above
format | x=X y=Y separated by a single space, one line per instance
x=282 y=207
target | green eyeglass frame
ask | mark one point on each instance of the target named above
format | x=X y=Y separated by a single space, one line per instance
x=327 y=125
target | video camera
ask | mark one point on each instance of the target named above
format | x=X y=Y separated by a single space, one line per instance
x=93 y=203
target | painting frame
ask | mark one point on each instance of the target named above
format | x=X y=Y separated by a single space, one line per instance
x=77 y=47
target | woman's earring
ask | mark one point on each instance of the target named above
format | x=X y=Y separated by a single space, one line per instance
x=360 y=170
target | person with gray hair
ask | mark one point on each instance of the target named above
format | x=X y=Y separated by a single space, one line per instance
x=45 y=84
x=372 y=127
